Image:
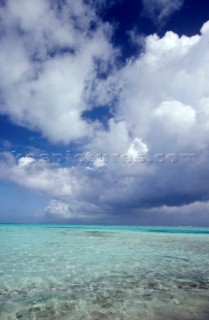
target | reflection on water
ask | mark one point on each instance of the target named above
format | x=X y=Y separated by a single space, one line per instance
x=92 y=273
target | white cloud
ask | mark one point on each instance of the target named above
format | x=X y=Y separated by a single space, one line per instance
x=175 y=116
x=40 y=176
x=164 y=92
x=115 y=139
x=26 y=161
x=99 y=162
x=44 y=80
x=136 y=149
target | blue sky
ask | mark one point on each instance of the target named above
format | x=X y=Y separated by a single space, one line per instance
x=104 y=112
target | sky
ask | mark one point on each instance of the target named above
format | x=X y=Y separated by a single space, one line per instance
x=104 y=112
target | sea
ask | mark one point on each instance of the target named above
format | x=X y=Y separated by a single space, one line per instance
x=70 y=272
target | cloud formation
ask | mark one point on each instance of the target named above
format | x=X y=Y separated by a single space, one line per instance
x=164 y=95
x=46 y=70
x=161 y=103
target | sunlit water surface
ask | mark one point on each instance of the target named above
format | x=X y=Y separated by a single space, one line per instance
x=95 y=273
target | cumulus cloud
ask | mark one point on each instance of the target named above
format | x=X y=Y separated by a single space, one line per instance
x=48 y=58
x=164 y=92
x=106 y=193
x=136 y=149
x=161 y=107
x=160 y=10
x=175 y=117
x=38 y=176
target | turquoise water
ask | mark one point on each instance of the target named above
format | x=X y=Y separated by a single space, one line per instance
x=95 y=273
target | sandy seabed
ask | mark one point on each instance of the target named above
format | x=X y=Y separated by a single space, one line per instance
x=95 y=273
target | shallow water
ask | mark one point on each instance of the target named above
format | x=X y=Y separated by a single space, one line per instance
x=95 y=273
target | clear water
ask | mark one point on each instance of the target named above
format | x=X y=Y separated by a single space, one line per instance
x=95 y=273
